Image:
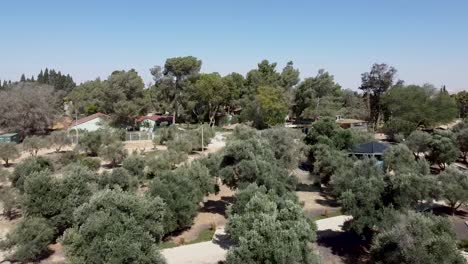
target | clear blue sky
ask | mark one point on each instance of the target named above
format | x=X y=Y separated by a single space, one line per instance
x=426 y=40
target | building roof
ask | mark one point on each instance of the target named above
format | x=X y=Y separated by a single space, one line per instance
x=155 y=118
x=349 y=121
x=8 y=135
x=89 y=118
x=370 y=148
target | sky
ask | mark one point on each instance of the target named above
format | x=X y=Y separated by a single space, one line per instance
x=425 y=40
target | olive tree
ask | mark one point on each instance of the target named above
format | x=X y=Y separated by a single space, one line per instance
x=33 y=144
x=116 y=227
x=8 y=151
x=58 y=140
x=135 y=165
x=269 y=232
x=416 y=238
x=26 y=168
x=30 y=239
x=9 y=199
x=418 y=142
x=114 y=152
x=454 y=187
x=118 y=178
x=442 y=151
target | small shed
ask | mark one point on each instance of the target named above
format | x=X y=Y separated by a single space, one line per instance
x=372 y=149
x=9 y=137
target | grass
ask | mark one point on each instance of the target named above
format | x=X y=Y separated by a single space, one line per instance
x=205 y=235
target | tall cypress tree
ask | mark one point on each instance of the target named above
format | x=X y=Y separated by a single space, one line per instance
x=40 y=77
x=46 y=76
x=23 y=78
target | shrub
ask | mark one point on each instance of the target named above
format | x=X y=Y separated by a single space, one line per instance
x=167 y=160
x=28 y=167
x=165 y=134
x=91 y=142
x=30 y=239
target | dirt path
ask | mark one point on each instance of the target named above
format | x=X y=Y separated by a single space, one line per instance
x=215 y=205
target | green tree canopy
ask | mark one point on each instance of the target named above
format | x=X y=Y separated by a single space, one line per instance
x=116 y=227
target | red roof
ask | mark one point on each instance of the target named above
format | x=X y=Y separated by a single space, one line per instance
x=155 y=118
x=89 y=118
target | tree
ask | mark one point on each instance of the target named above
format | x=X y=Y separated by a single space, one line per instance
x=418 y=142
x=289 y=77
x=181 y=196
x=270 y=232
x=454 y=187
x=26 y=168
x=209 y=91
x=91 y=142
x=462 y=140
x=399 y=158
x=23 y=78
x=317 y=96
x=116 y=227
x=287 y=145
x=9 y=199
x=462 y=102
x=114 y=152
x=118 y=178
x=123 y=97
x=416 y=238
x=33 y=144
x=442 y=151
x=55 y=199
x=171 y=83
x=374 y=84
x=59 y=139
x=8 y=151
x=30 y=239
x=327 y=161
x=28 y=108
x=420 y=106
x=272 y=106
x=135 y=165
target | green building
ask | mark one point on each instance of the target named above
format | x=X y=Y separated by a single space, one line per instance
x=9 y=137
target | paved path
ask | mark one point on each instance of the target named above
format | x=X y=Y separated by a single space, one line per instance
x=332 y=223
x=210 y=252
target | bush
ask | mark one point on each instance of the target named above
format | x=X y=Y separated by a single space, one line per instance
x=28 y=167
x=30 y=239
x=69 y=157
x=165 y=134
x=135 y=165
x=116 y=227
x=118 y=178
x=167 y=160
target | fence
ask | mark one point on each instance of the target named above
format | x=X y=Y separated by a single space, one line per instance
x=135 y=136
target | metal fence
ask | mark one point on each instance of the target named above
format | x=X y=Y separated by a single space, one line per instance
x=135 y=136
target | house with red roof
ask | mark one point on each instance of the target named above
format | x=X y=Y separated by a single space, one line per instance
x=151 y=122
x=90 y=123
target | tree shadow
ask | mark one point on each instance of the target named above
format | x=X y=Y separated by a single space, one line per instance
x=223 y=240
x=326 y=201
x=347 y=245
x=302 y=187
x=218 y=206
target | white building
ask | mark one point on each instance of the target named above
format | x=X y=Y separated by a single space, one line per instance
x=90 y=123
x=150 y=123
